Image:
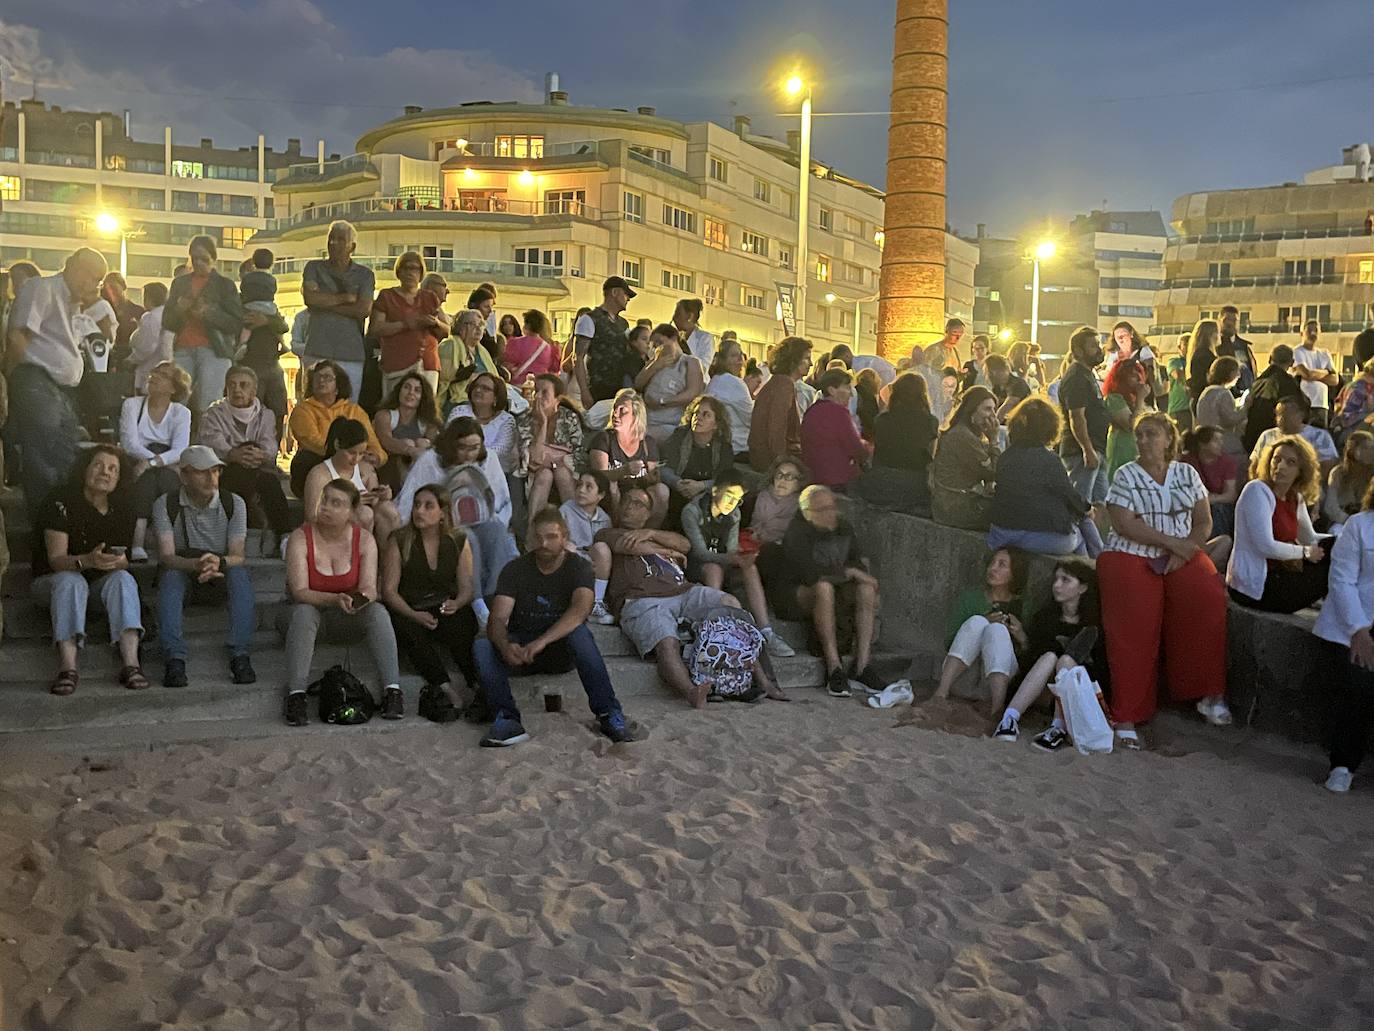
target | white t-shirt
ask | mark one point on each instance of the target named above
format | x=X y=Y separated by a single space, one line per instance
x=54 y=321
x=1314 y=358
x=1320 y=440
x=702 y=346
x=733 y=393
x=1166 y=508
x=137 y=430
x=585 y=327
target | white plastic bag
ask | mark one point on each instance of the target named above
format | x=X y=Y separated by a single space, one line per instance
x=1080 y=702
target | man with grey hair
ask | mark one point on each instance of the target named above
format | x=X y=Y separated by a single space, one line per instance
x=45 y=354
x=338 y=293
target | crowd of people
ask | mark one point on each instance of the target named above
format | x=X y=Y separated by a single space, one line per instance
x=473 y=487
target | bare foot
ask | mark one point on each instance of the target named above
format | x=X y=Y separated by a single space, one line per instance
x=696 y=694
x=777 y=694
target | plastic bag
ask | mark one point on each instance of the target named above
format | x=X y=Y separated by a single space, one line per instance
x=1081 y=706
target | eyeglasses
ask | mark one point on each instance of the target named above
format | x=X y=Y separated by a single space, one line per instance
x=789 y=476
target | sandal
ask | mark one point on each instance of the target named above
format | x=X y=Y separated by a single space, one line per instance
x=1129 y=740
x=132 y=677
x=64 y=683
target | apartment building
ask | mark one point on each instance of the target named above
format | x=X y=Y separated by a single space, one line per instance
x=60 y=169
x=1127 y=249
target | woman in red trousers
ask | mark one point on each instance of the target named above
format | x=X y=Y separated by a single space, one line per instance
x=1159 y=588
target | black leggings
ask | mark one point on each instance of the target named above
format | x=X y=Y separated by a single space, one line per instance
x=263 y=484
x=1287 y=590
x=301 y=464
x=425 y=648
x=155 y=482
x=1351 y=717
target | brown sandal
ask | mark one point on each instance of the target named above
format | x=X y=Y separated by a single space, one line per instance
x=132 y=677
x=64 y=683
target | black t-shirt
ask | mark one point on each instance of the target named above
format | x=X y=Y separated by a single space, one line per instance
x=1047 y=628
x=609 y=442
x=68 y=511
x=541 y=598
x=1079 y=389
x=902 y=440
x=1364 y=347
x=1015 y=388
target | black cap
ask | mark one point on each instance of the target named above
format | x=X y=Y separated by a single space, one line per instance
x=617 y=281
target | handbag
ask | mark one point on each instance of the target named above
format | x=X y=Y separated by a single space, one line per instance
x=1079 y=702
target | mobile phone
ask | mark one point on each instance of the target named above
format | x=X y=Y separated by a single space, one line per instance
x=360 y=600
x=117 y=551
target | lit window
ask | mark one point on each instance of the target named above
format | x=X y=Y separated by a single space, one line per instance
x=715 y=234
x=234 y=236
x=822 y=268
x=10 y=188
x=520 y=146
x=188 y=169
x=1366 y=267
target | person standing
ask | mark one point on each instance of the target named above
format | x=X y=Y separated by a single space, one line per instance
x=264 y=328
x=700 y=344
x=1232 y=345
x=205 y=317
x=150 y=345
x=1084 y=444
x=1271 y=386
x=949 y=345
x=775 y=430
x=1312 y=365
x=409 y=323
x=728 y=387
x=605 y=361
x=338 y=292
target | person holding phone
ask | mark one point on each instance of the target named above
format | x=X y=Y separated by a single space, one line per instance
x=346 y=444
x=985 y=628
x=331 y=578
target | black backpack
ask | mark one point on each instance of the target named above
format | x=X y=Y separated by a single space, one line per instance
x=343 y=699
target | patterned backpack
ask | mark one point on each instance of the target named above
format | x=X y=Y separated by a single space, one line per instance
x=725 y=646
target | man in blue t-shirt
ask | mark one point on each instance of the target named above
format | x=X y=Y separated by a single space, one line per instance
x=538 y=625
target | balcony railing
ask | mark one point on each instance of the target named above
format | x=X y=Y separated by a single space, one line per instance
x=464 y=267
x=1285 y=328
x=1273 y=234
x=452 y=205
x=312 y=172
x=1263 y=282
x=550 y=150
x=662 y=166
x=49 y=157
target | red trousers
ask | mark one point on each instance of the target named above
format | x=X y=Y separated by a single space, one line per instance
x=1184 y=613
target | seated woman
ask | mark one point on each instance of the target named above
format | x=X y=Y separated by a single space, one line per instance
x=698 y=451
x=154 y=431
x=1035 y=507
x=1346 y=484
x=242 y=431
x=1064 y=632
x=1345 y=622
x=1204 y=448
x=668 y=382
x=904 y=443
x=331 y=578
x=964 y=468
x=550 y=437
x=867 y=388
x=985 y=628
x=1355 y=404
x=1160 y=589
x=461 y=464
x=1277 y=561
x=405 y=425
x=427 y=584
x=326 y=398
x=532 y=354
x=776 y=502
x=710 y=522
x=346 y=444
x=82 y=538
x=625 y=452
x=1124 y=392
x=1218 y=407
x=831 y=446
x=488 y=402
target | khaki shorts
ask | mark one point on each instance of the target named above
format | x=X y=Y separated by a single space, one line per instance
x=646 y=621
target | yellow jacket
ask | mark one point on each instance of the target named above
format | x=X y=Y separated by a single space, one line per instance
x=310 y=421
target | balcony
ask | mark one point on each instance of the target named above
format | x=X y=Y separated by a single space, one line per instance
x=463 y=268
x=1244 y=282
x=576 y=148
x=1272 y=234
x=412 y=206
x=309 y=172
x=50 y=157
x=1259 y=329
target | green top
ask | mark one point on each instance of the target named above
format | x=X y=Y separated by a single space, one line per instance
x=1120 y=443
x=1179 y=398
x=974 y=602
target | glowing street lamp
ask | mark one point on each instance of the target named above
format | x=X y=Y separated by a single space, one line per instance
x=797 y=87
x=1043 y=251
x=108 y=225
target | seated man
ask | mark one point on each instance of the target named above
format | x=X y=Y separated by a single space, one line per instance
x=819 y=574
x=538 y=625
x=200 y=533
x=1290 y=418
x=650 y=593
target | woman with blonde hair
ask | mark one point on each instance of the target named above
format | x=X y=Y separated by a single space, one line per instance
x=625 y=452
x=1278 y=563
x=153 y=431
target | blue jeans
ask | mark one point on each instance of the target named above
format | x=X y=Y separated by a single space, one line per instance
x=492 y=548
x=576 y=651
x=43 y=423
x=1040 y=542
x=206 y=370
x=172 y=589
x=1091 y=484
x=67 y=595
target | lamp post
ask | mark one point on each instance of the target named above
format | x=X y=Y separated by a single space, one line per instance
x=109 y=226
x=1043 y=251
x=796 y=86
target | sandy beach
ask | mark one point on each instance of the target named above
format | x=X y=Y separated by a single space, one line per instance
x=813 y=865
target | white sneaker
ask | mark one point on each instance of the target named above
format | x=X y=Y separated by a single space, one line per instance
x=137 y=554
x=776 y=646
x=1216 y=713
x=600 y=615
x=1339 y=780
x=894 y=694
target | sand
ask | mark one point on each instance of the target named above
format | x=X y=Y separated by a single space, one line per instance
x=811 y=865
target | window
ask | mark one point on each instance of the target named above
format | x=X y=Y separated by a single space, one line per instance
x=1230 y=227
x=564 y=202
x=520 y=146
x=1366 y=267
x=752 y=297
x=679 y=218
x=853 y=226
x=715 y=234
x=452 y=143
x=763 y=191
x=785 y=256
x=754 y=244
x=717 y=170
x=10 y=190
x=234 y=236
x=712 y=293
x=534 y=263
x=789 y=203
x=634 y=206
x=188 y=169
x=852 y=273
x=678 y=281
x=663 y=157
x=845 y=316
x=432 y=253
x=1291 y=316
x=822 y=268
x=631 y=270
x=825 y=218
x=1316 y=267
x=1220 y=270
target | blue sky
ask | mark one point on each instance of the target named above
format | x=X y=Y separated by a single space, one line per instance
x=1056 y=105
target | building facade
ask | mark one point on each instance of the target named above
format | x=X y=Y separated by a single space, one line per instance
x=1127 y=249
x=60 y=169
x=547 y=200
x=1281 y=254
x=1003 y=283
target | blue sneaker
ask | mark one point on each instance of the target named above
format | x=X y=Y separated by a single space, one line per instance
x=504 y=733
x=614 y=727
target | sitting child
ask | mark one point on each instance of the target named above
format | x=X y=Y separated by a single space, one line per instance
x=586 y=518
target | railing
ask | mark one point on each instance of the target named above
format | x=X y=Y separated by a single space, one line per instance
x=662 y=166
x=49 y=157
x=312 y=172
x=1285 y=328
x=1242 y=282
x=452 y=205
x=9 y=153
x=1273 y=234
x=447 y=267
x=550 y=150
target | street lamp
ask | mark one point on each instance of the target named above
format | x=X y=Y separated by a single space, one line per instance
x=1043 y=251
x=795 y=87
x=108 y=225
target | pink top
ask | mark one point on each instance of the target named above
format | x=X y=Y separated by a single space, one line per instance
x=831 y=446
x=518 y=352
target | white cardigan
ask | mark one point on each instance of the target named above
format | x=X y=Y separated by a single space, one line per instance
x=1349 y=604
x=1255 y=544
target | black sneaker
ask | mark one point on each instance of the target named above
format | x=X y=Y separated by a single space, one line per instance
x=241 y=670
x=296 y=713
x=1008 y=730
x=837 y=684
x=435 y=706
x=506 y=732
x=868 y=677
x=1051 y=740
x=393 y=704
x=478 y=711
x=174 y=673
x=614 y=727
x=1080 y=648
